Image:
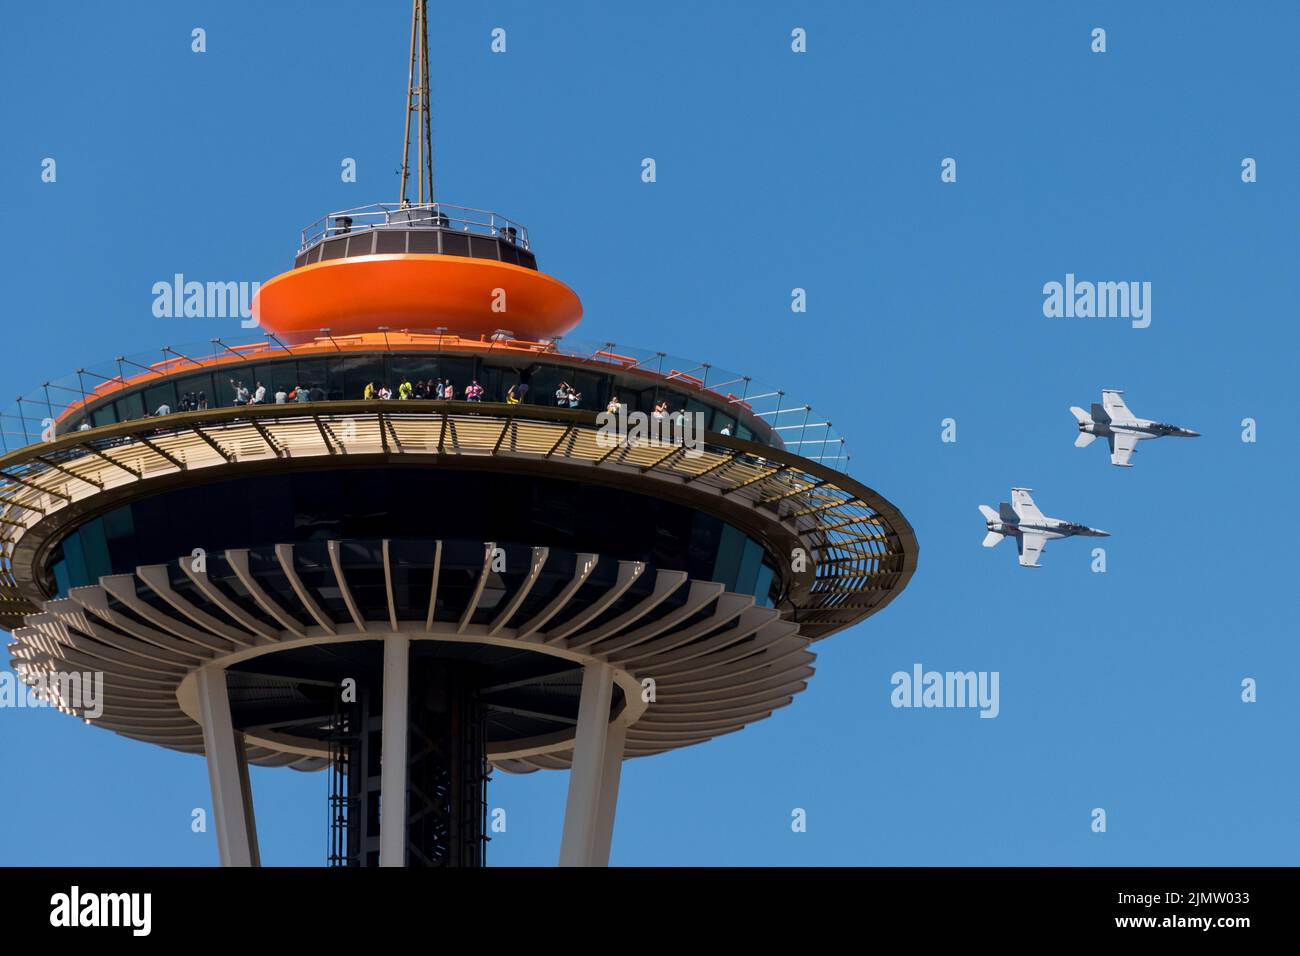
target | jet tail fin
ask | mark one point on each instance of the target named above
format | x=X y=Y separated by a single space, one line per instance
x=992 y=538
x=1080 y=416
x=988 y=513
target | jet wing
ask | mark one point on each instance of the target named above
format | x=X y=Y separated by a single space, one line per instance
x=1115 y=407
x=1031 y=546
x=1122 y=445
x=1024 y=505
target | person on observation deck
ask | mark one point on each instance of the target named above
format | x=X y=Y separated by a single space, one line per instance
x=448 y=390
x=369 y=391
x=474 y=393
x=259 y=395
x=301 y=394
x=405 y=389
x=612 y=407
x=575 y=397
x=511 y=397
x=241 y=392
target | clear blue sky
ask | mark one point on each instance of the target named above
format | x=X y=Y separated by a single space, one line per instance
x=1118 y=690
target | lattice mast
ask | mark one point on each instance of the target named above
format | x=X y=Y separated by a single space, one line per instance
x=417 y=104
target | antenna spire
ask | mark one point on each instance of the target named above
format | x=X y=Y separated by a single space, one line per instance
x=417 y=101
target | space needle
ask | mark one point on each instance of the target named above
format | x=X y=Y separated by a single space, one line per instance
x=393 y=537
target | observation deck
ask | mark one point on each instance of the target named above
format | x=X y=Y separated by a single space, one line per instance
x=426 y=228
x=337 y=368
x=417 y=266
x=149 y=626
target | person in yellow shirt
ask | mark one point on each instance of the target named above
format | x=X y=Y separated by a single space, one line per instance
x=369 y=393
x=511 y=397
x=405 y=389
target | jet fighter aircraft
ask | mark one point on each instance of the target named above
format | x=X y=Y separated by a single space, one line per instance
x=1113 y=421
x=1030 y=527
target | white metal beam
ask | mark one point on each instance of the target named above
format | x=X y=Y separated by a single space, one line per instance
x=593 y=782
x=393 y=779
x=611 y=771
x=232 y=798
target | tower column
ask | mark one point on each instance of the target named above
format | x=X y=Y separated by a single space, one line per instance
x=611 y=770
x=232 y=794
x=393 y=752
x=593 y=782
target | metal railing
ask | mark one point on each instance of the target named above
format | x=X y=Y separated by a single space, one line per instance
x=40 y=413
x=435 y=215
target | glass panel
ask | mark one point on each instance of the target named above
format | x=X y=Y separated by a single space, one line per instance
x=283 y=377
x=349 y=376
x=481 y=248
x=455 y=244
x=130 y=407
x=391 y=242
x=159 y=395
x=424 y=241
x=106 y=415
x=193 y=391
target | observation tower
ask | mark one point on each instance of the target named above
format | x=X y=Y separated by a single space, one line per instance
x=408 y=593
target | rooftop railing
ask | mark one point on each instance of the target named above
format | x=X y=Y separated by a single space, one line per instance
x=435 y=215
x=39 y=414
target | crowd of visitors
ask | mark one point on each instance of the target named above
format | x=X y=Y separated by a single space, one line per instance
x=433 y=388
x=242 y=395
x=565 y=396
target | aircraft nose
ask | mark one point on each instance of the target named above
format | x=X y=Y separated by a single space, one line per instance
x=1191 y=434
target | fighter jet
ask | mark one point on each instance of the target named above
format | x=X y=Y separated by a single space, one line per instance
x=1030 y=527
x=1112 y=420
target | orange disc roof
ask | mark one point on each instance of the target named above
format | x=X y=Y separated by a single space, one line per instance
x=417 y=291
